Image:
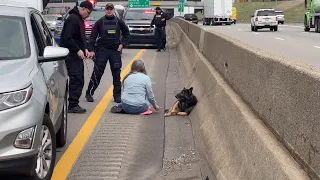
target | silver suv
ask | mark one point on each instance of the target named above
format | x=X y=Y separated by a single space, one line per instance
x=33 y=94
x=264 y=18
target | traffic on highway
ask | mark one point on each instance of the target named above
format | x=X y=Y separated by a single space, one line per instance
x=66 y=114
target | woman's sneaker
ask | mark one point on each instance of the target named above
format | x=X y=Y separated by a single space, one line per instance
x=116 y=109
x=148 y=112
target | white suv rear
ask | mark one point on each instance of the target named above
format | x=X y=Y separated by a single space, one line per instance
x=264 y=18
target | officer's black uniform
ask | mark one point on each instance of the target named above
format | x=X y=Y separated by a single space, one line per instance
x=73 y=38
x=160 y=28
x=108 y=29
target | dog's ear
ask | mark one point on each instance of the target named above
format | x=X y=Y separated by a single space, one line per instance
x=190 y=90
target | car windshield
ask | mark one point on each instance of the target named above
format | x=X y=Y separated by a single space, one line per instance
x=190 y=15
x=139 y=15
x=266 y=13
x=49 y=18
x=14 y=42
x=96 y=15
x=56 y=10
x=279 y=13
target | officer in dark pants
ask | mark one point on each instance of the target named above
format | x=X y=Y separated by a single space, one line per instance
x=73 y=38
x=109 y=47
x=160 y=21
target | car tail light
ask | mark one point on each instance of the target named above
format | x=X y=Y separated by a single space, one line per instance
x=276 y=18
x=256 y=19
x=149 y=12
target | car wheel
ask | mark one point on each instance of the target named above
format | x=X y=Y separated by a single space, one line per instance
x=62 y=133
x=275 y=28
x=47 y=151
x=255 y=28
x=306 y=26
x=252 y=29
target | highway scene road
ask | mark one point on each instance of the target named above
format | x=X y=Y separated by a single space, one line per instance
x=221 y=111
x=289 y=41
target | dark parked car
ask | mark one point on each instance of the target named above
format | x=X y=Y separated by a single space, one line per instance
x=138 y=20
x=191 y=17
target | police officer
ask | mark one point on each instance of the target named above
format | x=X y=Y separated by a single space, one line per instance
x=159 y=20
x=73 y=38
x=109 y=46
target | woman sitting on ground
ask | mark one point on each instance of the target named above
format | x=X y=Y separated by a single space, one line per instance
x=137 y=92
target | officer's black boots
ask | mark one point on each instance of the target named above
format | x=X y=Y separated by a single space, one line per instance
x=89 y=98
x=77 y=109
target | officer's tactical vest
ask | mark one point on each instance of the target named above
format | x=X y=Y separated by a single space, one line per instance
x=110 y=29
x=158 y=18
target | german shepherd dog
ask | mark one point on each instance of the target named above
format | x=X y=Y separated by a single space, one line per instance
x=186 y=101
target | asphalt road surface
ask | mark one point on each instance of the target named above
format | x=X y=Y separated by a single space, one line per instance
x=289 y=41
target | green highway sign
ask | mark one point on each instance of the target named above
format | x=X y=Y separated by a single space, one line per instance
x=138 y=3
x=180 y=7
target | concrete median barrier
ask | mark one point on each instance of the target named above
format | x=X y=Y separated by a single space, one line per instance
x=256 y=112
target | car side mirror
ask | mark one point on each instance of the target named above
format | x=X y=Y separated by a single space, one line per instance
x=251 y=16
x=52 y=53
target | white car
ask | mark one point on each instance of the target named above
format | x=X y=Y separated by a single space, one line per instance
x=264 y=18
x=33 y=94
x=52 y=21
x=280 y=16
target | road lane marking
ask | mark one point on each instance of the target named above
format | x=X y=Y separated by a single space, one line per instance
x=279 y=38
x=255 y=33
x=317 y=47
x=70 y=156
x=240 y=29
x=293 y=26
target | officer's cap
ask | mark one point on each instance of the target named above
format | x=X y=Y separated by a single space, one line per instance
x=110 y=5
x=158 y=8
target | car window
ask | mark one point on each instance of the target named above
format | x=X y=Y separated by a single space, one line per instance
x=266 y=13
x=96 y=15
x=279 y=13
x=37 y=36
x=139 y=14
x=57 y=10
x=14 y=42
x=189 y=15
x=44 y=29
x=49 y=18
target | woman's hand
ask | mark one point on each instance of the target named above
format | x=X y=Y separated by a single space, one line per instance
x=157 y=108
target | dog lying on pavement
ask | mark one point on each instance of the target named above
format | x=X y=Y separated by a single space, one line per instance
x=186 y=101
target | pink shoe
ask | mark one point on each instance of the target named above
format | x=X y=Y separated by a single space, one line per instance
x=148 y=112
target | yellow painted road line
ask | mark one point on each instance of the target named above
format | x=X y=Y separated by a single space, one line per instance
x=70 y=156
